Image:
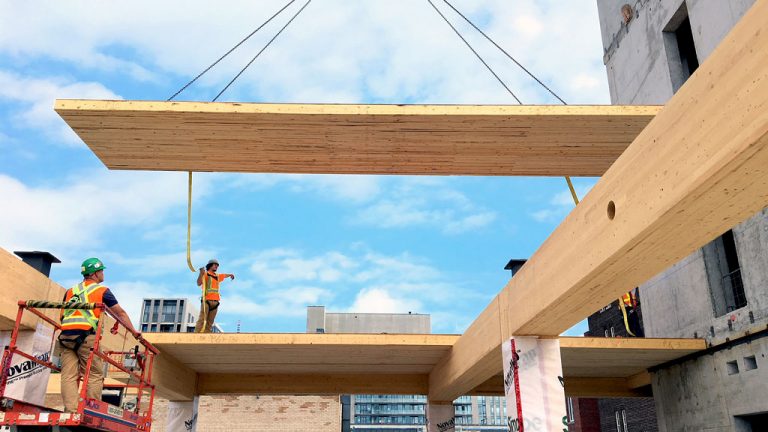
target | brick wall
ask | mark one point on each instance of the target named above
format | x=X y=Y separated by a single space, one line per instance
x=586 y=414
x=261 y=414
x=641 y=414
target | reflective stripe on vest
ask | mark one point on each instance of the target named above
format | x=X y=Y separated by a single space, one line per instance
x=83 y=319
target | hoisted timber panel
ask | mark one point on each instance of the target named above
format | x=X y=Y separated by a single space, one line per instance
x=356 y=139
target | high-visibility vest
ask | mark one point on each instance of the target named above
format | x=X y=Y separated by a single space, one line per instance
x=83 y=319
x=211 y=286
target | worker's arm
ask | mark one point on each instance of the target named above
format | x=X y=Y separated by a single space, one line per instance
x=223 y=276
x=120 y=313
x=200 y=276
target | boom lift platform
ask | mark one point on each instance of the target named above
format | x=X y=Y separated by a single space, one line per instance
x=91 y=414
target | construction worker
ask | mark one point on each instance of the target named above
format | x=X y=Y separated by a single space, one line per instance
x=209 y=280
x=78 y=332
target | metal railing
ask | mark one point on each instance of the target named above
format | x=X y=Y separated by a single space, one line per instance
x=145 y=357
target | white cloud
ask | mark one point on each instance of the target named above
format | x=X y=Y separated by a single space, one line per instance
x=561 y=204
x=425 y=204
x=290 y=302
x=73 y=214
x=284 y=265
x=381 y=301
x=353 y=189
x=282 y=282
x=337 y=51
x=37 y=98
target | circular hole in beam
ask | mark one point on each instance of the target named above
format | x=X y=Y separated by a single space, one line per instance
x=611 y=210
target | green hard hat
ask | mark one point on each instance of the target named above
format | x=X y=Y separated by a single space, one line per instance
x=91 y=266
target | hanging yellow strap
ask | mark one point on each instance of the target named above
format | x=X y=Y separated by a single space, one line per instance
x=189 y=224
x=621 y=302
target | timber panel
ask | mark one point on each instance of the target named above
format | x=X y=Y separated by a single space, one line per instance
x=389 y=364
x=356 y=139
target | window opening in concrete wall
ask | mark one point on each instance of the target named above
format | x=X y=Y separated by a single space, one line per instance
x=680 y=47
x=750 y=363
x=752 y=423
x=732 y=367
x=621 y=420
x=724 y=273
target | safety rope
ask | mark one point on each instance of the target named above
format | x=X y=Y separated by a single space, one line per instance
x=230 y=51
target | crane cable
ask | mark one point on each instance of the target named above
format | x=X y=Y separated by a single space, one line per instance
x=490 y=69
x=568 y=181
x=184 y=87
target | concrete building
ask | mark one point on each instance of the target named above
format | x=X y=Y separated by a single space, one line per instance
x=401 y=413
x=719 y=292
x=170 y=315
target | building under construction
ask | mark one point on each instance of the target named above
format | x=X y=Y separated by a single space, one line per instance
x=678 y=211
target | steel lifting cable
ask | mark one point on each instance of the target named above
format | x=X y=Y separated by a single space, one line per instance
x=189 y=188
x=574 y=195
x=231 y=50
x=505 y=52
x=520 y=65
x=487 y=66
x=262 y=50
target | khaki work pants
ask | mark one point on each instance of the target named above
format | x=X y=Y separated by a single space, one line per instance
x=73 y=367
x=208 y=311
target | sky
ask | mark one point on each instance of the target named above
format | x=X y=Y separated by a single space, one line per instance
x=422 y=244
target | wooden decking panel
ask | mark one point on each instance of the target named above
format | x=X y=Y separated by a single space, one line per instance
x=356 y=139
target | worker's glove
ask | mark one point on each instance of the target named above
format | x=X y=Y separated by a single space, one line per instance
x=232 y=276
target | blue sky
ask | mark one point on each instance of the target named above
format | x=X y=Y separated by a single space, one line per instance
x=433 y=245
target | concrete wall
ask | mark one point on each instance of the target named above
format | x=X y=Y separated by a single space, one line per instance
x=705 y=394
x=636 y=54
x=699 y=394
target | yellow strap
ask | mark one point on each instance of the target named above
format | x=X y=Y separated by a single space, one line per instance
x=189 y=224
x=621 y=303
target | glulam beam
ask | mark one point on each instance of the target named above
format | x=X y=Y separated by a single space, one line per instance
x=699 y=168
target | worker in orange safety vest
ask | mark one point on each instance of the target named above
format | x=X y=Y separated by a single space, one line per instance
x=78 y=333
x=209 y=281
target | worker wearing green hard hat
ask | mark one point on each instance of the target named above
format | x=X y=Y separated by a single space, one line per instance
x=91 y=266
x=78 y=333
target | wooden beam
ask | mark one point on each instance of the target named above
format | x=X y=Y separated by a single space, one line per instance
x=312 y=384
x=356 y=139
x=699 y=168
x=596 y=387
x=22 y=282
